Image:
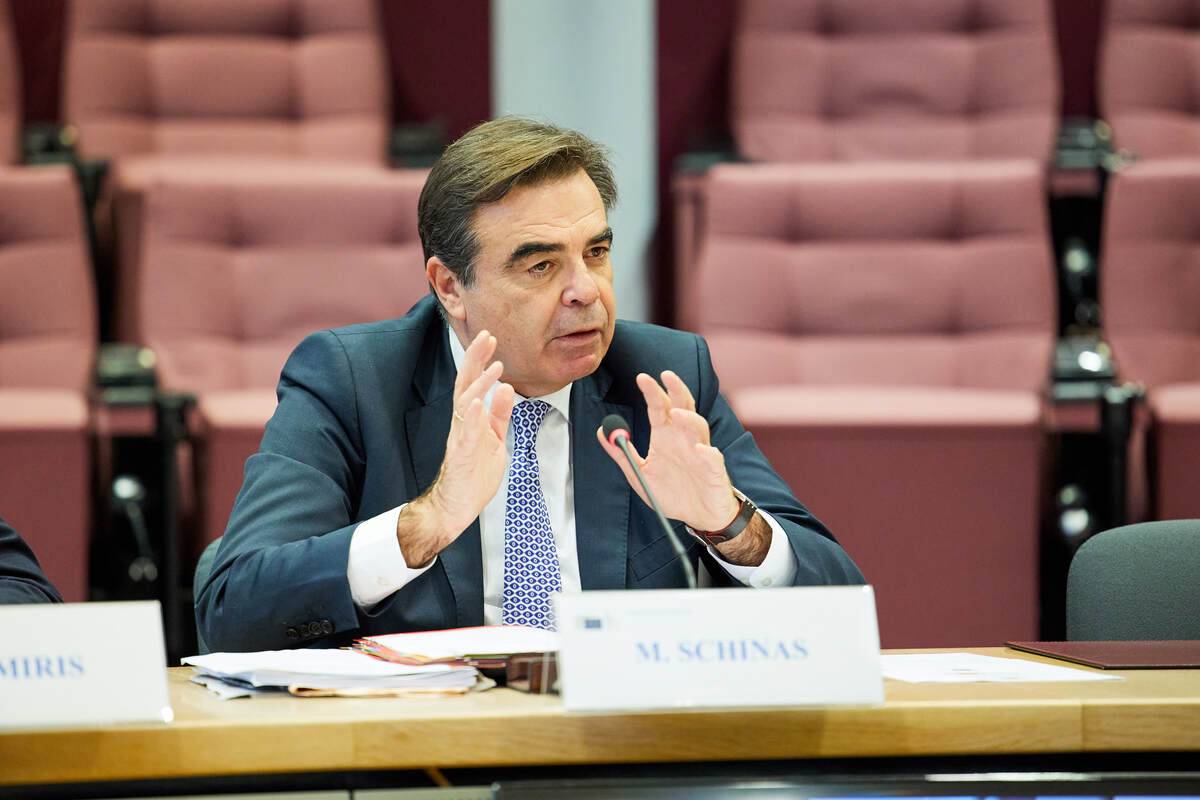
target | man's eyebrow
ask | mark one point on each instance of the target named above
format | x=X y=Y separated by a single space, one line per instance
x=605 y=235
x=528 y=249
x=523 y=251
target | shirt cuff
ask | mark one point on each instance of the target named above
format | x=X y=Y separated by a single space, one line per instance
x=376 y=567
x=778 y=567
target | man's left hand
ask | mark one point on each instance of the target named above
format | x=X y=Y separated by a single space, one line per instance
x=685 y=472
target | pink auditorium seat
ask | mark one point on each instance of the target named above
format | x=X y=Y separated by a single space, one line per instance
x=869 y=81
x=1148 y=92
x=1150 y=290
x=160 y=86
x=885 y=333
x=251 y=77
x=1147 y=85
x=859 y=80
x=239 y=266
x=47 y=343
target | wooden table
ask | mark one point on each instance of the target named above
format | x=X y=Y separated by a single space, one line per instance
x=1151 y=710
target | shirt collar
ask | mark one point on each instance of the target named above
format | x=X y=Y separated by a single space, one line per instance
x=559 y=400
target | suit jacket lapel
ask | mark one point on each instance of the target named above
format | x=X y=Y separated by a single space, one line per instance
x=427 y=428
x=602 y=495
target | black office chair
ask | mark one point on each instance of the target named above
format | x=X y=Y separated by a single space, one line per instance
x=1137 y=582
x=203 y=567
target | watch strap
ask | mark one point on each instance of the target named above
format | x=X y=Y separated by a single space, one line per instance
x=746 y=511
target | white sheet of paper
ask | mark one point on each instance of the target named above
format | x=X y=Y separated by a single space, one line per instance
x=489 y=640
x=306 y=662
x=328 y=669
x=974 y=668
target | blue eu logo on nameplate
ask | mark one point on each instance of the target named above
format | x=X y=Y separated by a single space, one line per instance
x=82 y=664
x=716 y=647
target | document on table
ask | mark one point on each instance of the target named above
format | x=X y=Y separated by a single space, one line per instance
x=325 y=669
x=455 y=644
x=231 y=690
x=974 y=668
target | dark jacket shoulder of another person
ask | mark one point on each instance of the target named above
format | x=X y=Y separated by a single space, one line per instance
x=21 y=577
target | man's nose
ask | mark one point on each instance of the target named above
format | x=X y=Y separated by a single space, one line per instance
x=581 y=287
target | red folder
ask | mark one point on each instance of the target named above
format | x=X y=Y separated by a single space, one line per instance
x=1181 y=654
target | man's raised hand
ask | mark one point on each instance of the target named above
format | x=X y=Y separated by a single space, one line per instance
x=475 y=459
x=685 y=472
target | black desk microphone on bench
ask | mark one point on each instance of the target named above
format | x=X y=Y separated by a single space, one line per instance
x=616 y=430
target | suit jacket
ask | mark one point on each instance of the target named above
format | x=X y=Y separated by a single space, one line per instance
x=361 y=427
x=21 y=578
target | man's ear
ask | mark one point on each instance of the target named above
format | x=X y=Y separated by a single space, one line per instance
x=447 y=287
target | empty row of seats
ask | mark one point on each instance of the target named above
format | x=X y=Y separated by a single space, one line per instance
x=885 y=332
x=875 y=275
x=247 y=202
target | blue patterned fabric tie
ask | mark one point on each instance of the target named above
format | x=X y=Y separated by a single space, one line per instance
x=531 y=571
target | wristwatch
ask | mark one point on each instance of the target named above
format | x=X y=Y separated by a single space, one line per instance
x=745 y=513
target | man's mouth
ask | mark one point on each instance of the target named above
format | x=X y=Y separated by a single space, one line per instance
x=579 y=337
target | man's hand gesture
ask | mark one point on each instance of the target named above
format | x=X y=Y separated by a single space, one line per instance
x=475 y=460
x=685 y=472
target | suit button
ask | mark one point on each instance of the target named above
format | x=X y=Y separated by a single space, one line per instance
x=293 y=634
x=306 y=630
x=326 y=627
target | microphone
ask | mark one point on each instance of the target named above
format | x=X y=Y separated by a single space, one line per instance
x=616 y=431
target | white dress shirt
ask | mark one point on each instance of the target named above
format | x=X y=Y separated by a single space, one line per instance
x=376 y=567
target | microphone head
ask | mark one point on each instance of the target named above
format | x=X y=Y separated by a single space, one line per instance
x=614 y=425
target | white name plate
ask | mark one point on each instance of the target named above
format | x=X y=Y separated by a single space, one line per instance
x=82 y=664
x=719 y=647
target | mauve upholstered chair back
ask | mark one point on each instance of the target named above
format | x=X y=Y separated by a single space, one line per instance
x=10 y=90
x=233 y=77
x=1150 y=280
x=1149 y=76
x=235 y=274
x=887 y=274
x=47 y=300
x=854 y=80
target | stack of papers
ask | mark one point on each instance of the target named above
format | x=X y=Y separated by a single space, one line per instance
x=487 y=647
x=324 y=672
x=975 y=668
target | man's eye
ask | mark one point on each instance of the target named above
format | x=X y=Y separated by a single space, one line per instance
x=540 y=268
x=598 y=252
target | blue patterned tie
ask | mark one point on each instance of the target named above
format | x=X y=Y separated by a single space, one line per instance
x=531 y=572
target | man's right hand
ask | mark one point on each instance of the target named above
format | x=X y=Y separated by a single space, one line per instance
x=475 y=461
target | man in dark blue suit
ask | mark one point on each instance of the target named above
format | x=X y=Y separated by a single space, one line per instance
x=21 y=577
x=447 y=468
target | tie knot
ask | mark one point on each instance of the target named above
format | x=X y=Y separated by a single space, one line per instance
x=527 y=417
